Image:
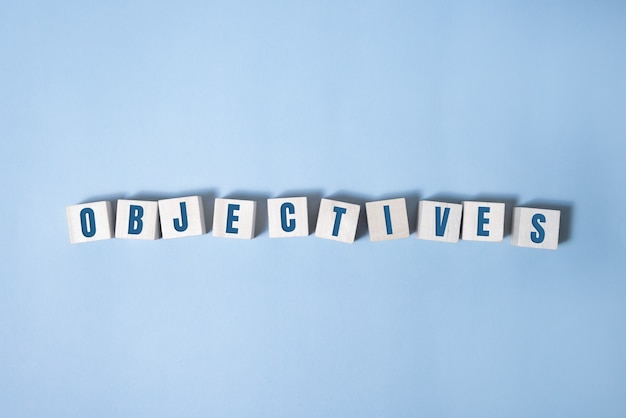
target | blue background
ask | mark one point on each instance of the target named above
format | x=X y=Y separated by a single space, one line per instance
x=514 y=101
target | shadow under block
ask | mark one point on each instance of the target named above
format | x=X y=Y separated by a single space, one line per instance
x=337 y=221
x=90 y=221
x=137 y=219
x=536 y=228
x=439 y=221
x=182 y=217
x=483 y=221
x=234 y=218
x=288 y=217
x=387 y=219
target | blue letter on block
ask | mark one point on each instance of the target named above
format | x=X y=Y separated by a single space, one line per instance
x=539 y=236
x=230 y=218
x=482 y=221
x=339 y=211
x=135 y=224
x=440 y=224
x=88 y=231
x=181 y=224
x=388 y=220
x=285 y=208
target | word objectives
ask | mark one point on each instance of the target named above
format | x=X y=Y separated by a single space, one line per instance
x=288 y=217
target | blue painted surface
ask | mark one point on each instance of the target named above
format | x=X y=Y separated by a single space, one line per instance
x=366 y=100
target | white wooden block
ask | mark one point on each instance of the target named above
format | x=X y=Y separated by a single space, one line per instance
x=137 y=219
x=90 y=221
x=234 y=218
x=337 y=220
x=387 y=219
x=439 y=221
x=483 y=221
x=536 y=228
x=288 y=217
x=182 y=217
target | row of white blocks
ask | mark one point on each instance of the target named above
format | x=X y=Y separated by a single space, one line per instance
x=288 y=217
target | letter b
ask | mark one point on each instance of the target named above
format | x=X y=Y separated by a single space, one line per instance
x=135 y=223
